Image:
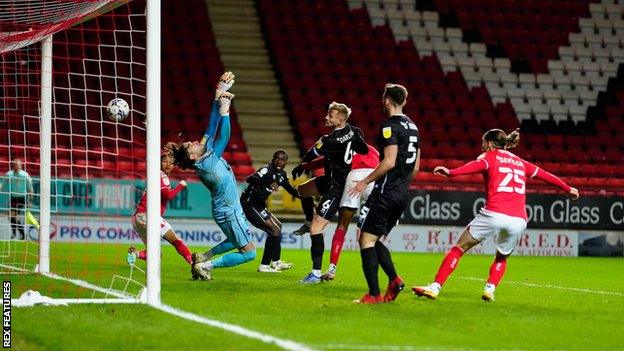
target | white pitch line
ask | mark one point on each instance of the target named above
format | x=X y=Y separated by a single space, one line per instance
x=282 y=343
x=554 y=287
x=365 y=347
x=15 y=268
x=87 y=285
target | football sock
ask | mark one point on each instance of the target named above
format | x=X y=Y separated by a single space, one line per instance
x=142 y=255
x=307 y=204
x=370 y=266
x=233 y=259
x=277 y=249
x=448 y=264
x=269 y=248
x=183 y=250
x=222 y=247
x=336 y=248
x=385 y=260
x=497 y=270
x=316 y=250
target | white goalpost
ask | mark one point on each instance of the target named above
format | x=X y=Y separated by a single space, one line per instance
x=61 y=62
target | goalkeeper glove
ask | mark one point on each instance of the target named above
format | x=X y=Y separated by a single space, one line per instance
x=225 y=100
x=298 y=171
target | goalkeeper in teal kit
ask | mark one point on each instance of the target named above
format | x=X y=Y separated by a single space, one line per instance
x=216 y=174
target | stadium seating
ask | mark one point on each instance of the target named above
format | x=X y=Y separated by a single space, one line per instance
x=191 y=65
x=190 y=60
x=368 y=43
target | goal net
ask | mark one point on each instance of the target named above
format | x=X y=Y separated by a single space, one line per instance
x=97 y=165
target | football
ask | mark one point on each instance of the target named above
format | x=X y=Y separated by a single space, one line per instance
x=117 y=110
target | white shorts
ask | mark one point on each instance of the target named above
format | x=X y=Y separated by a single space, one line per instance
x=139 y=221
x=353 y=201
x=507 y=229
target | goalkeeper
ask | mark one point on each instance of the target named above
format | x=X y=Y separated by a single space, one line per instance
x=216 y=174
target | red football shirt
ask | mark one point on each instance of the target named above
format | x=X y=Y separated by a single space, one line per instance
x=370 y=160
x=505 y=177
x=166 y=194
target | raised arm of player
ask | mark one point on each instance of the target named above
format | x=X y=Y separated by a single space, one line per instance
x=168 y=193
x=213 y=123
x=225 y=129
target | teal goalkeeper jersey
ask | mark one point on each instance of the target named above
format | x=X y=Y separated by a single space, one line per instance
x=217 y=176
x=17 y=183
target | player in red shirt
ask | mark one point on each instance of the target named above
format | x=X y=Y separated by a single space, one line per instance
x=140 y=216
x=503 y=215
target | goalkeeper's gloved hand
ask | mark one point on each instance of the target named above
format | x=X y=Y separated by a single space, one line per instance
x=226 y=81
x=225 y=100
x=298 y=171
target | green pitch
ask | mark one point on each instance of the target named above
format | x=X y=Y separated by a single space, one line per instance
x=542 y=303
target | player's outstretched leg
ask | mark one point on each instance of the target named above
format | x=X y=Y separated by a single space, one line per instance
x=179 y=245
x=448 y=265
x=497 y=270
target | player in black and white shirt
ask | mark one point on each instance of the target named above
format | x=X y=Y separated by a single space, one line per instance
x=262 y=184
x=398 y=145
x=337 y=148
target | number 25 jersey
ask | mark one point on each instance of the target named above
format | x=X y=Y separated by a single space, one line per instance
x=505 y=178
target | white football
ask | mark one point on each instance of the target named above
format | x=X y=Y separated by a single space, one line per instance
x=117 y=110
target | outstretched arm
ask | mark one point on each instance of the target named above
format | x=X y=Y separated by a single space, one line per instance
x=224 y=135
x=472 y=167
x=290 y=189
x=168 y=193
x=213 y=123
x=225 y=100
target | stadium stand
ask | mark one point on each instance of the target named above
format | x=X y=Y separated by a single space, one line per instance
x=367 y=43
x=190 y=59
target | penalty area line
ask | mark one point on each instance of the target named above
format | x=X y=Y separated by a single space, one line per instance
x=269 y=339
x=554 y=287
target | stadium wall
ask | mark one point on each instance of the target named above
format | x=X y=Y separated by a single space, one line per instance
x=426 y=207
x=404 y=238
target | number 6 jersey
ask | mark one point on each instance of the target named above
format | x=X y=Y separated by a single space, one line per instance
x=505 y=177
x=398 y=130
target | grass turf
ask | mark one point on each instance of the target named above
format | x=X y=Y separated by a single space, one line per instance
x=322 y=316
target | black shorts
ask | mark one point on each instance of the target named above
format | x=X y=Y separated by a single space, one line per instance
x=18 y=202
x=331 y=194
x=256 y=213
x=382 y=211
